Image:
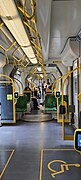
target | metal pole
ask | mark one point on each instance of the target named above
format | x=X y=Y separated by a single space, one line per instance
x=0 y=115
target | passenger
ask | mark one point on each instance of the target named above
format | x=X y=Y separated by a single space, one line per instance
x=35 y=103
x=50 y=87
x=45 y=89
x=35 y=92
x=42 y=88
x=39 y=93
x=27 y=88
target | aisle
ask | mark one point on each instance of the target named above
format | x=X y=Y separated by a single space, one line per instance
x=27 y=140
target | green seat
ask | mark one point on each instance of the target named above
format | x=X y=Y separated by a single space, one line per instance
x=21 y=105
x=50 y=102
x=51 y=109
x=21 y=109
x=28 y=95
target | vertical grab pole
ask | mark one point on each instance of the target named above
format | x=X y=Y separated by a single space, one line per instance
x=0 y=115
x=57 y=98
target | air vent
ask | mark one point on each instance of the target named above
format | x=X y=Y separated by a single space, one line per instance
x=51 y=65
x=57 y=61
x=62 y=0
x=9 y=18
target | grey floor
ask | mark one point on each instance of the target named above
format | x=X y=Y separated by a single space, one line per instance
x=27 y=139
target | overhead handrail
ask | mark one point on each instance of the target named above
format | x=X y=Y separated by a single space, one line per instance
x=17 y=80
x=13 y=43
x=36 y=46
x=59 y=78
x=26 y=14
x=7 y=49
x=5 y=58
x=31 y=28
x=14 y=55
x=27 y=63
x=1 y=24
x=38 y=51
x=17 y=85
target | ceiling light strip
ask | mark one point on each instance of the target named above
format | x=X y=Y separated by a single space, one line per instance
x=15 y=25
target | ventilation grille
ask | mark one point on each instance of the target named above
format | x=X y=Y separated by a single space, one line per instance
x=51 y=65
x=57 y=61
x=62 y=0
x=9 y=18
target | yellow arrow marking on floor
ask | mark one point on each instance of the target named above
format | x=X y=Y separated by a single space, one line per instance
x=63 y=164
x=1 y=174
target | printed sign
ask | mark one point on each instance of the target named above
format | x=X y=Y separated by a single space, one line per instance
x=9 y=96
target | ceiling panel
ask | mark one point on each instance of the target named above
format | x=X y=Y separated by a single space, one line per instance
x=65 y=22
x=43 y=24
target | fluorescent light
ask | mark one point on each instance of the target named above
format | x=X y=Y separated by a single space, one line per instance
x=10 y=16
x=28 y=51
x=30 y=54
x=33 y=60
x=41 y=75
x=8 y=9
x=39 y=68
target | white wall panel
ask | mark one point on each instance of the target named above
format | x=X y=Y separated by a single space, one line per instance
x=43 y=23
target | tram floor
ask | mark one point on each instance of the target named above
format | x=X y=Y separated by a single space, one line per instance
x=21 y=145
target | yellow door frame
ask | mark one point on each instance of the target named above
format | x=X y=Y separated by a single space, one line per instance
x=63 y=120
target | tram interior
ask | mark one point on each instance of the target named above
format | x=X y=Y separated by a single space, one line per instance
x=40 y=73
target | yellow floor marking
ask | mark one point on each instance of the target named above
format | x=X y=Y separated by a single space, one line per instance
x=41 y=159
x=64 y=164
x=66 y=120
x=6 y=150
x=7 y=162
x=58 y=149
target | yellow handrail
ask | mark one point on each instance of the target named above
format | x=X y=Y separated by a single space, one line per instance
x=21 y=85
x=17 y=85
x=31 y=28
x=14 y=55
x=36 y=46
x=26 y=14
x=1 y=24
x=7 y=49
x=22 y=63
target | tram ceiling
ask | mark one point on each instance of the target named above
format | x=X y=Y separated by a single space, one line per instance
x=24 y=35
x=65 y=22
x=56 y=21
